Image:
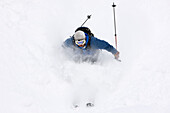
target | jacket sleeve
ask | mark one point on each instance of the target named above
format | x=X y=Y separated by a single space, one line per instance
x=68 y=42
x=101 y=44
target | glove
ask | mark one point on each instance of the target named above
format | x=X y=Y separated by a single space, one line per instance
x=116 y=55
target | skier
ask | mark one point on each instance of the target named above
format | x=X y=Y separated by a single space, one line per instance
x=86 y=47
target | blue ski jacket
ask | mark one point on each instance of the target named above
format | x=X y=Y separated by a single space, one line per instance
x=95 y=44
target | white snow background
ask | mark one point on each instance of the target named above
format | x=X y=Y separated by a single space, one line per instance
x=37 y=77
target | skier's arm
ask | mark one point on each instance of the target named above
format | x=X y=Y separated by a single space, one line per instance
x=68 y=42
x=101 y=44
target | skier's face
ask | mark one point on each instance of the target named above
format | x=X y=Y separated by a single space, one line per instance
x=80 y=43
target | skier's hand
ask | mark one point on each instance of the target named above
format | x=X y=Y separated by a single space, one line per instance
x=116 y=55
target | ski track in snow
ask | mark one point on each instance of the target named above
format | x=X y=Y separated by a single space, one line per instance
x=36 y=76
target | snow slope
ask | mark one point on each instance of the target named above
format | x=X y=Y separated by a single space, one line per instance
x=36 y=76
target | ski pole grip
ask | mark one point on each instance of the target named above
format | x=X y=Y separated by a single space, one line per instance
x=88 y=16
x=113 y=5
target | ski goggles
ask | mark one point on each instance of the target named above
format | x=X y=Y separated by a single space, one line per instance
x=80 y=42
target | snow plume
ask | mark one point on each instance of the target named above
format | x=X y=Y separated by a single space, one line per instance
x=36 y=76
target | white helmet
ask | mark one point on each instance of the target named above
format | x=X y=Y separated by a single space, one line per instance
x=79 y=35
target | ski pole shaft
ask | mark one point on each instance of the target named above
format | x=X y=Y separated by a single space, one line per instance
x=115 y=23
x=88 y=17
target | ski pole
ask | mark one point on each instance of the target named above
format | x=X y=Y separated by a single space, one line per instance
x=115 y=27
x=114 y=23
x=88 y=17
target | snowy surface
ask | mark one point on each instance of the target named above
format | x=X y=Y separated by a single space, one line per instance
x=37 y=77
